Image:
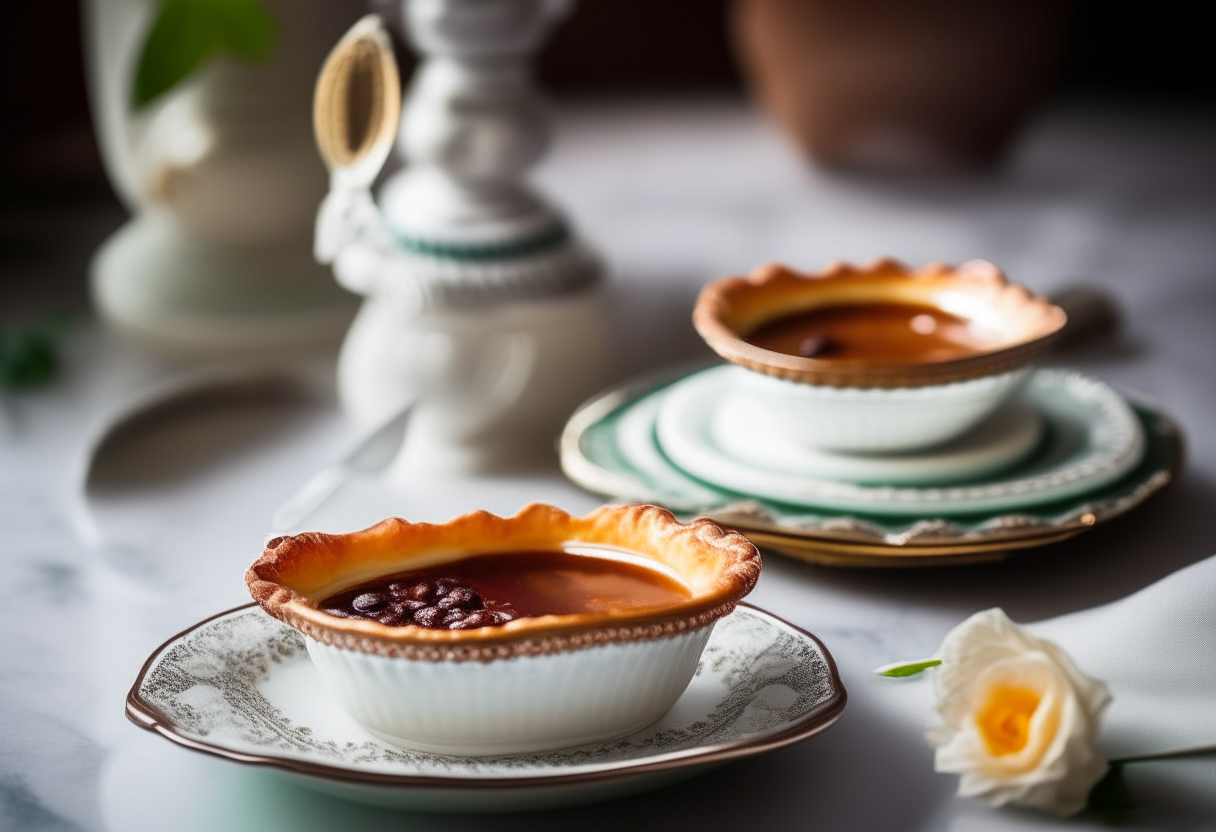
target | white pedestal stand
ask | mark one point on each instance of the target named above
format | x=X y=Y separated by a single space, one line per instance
x=482 y=305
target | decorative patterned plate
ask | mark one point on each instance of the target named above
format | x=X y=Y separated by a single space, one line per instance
x=727 y=428
x=606 y=448
x=240 y=686
x=1093 y=438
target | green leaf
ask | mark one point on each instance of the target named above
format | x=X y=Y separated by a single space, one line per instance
x=27 y=359
x=186 y=33
x=247 y=31
x=1110 y=799
x=183 y=35
x=901 y=669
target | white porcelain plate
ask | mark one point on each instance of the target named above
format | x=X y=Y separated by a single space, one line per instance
x=709 y=414
x=1094 y=438
x=241 y=686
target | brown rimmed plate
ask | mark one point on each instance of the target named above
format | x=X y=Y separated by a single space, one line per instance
x=240 y=686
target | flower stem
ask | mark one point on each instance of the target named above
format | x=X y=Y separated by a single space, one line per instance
x=1180 y=754
x=1112 y=801
x=1110 y=798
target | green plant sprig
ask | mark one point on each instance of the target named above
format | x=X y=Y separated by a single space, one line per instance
x=30 y=357
x=186 y=33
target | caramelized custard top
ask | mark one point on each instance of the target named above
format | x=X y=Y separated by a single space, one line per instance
x=880 y=332
x=490 y=590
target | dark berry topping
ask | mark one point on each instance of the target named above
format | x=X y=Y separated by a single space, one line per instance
x=369 y=601
x=422 y=591
x=441 y=604
x=816 y=346
x=430 y=617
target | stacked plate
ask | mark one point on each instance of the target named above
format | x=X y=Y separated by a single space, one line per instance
x=1062 y=456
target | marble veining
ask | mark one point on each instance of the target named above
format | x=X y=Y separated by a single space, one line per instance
x=676 y=192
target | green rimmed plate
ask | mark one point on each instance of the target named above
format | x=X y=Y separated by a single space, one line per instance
x=609 y=447
x=1092 y=438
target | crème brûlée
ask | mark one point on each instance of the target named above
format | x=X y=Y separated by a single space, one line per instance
x=882 y=325
x=493 y=589
x=906 y=333
x=689 y=575
x=494 y=635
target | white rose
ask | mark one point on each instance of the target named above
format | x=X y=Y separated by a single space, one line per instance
x=1020 y=719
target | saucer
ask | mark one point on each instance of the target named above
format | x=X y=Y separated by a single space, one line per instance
x=609 y=447
x=241 y=686
x=704 y=419
x=1093 y=438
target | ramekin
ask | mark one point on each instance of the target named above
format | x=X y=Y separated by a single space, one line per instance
x=876 y=406
x=533 y=684
x=869 y=420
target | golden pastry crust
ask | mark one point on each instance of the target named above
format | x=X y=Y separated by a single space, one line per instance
x=294 y=574
x=730 y=309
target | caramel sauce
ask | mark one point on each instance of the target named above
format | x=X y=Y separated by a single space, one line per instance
x=881 y=332
x=489 y=590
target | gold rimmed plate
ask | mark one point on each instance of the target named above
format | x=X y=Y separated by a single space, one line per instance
x=609 y=447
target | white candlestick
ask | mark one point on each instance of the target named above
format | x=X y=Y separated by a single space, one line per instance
x=482 y=304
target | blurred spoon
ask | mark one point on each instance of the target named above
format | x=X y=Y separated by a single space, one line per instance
x=357 y=104
x=370 y=455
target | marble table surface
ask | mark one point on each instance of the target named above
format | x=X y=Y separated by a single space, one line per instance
x=106 y=551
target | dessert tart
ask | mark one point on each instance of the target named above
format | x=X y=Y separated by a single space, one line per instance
x=495 y=635
x=882 y=325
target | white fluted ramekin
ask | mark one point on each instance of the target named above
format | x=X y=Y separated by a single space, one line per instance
x=534 y=683
x=868 y=420
x=515 y=705
x=871 y=406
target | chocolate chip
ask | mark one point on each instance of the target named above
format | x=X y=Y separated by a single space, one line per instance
x=480 y=618
x=451 y=617
x=422 y=591
x=431 y=617
x=816 y=346
x=434 y=604
x=393 y=618
x=445 y=585
x=370 y=601
x=462 y=597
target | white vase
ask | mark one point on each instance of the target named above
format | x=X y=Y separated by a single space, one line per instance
x=223 y=178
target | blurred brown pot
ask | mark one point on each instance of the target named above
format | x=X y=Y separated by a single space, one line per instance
x=900 y=84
